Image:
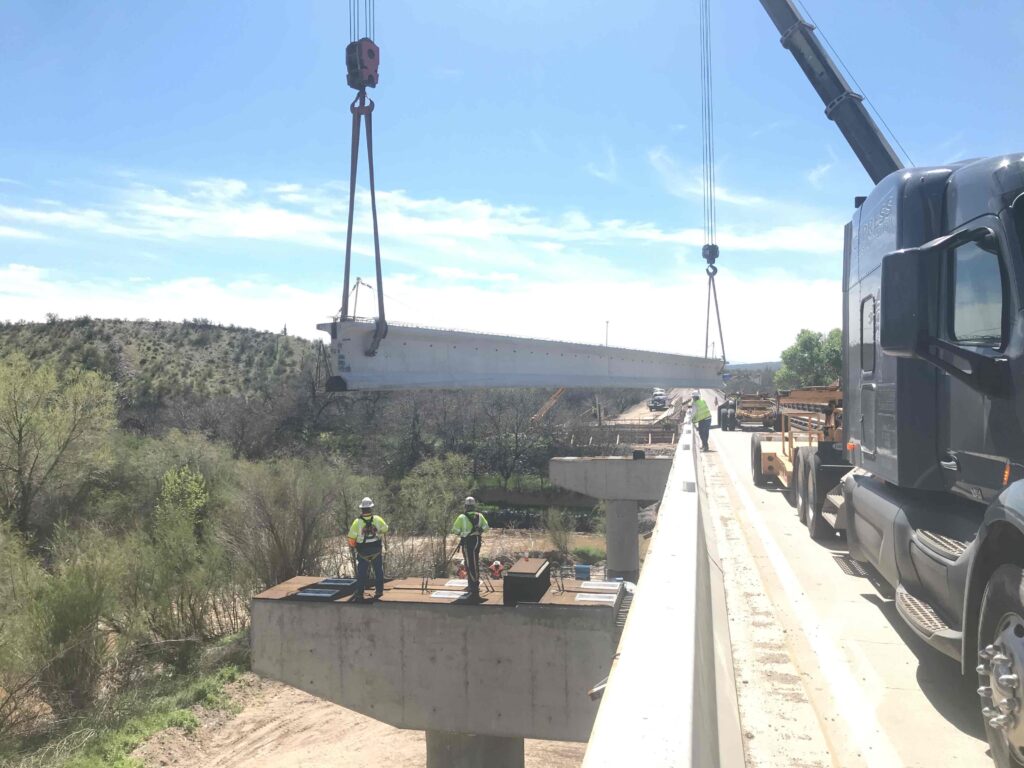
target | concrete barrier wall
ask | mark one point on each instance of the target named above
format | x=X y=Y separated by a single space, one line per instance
x=493 y=671
x=671 y=695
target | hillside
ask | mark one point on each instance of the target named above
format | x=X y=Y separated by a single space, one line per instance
x=153 y=361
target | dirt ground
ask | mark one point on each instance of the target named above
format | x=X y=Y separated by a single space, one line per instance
x=509 y=541
x=281 y=727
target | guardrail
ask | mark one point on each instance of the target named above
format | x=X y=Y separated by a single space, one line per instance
x=670 y=700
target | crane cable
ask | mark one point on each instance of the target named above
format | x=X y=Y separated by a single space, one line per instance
x=362 y=59
x=710 y=249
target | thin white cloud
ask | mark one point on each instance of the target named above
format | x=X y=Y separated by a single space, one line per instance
x=769 y=127
x=817 y=173
x=455 y=273
x=687 y=184
x=608 y=170
x=463 y=233
x=21 y=234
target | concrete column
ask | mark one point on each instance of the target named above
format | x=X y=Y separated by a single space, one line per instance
x=468 y=750
x=621 y=538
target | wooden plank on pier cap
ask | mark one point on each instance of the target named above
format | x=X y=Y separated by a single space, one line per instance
x=429 y=358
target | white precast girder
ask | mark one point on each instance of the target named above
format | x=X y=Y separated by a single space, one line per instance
x=412 y=357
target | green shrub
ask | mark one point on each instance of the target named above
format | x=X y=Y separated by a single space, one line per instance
x=588 y=555
x=75 y=649
x=559 y=525
x=19 y=662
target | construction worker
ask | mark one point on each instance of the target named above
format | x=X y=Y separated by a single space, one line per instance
x=701 y=416
x=366 y=537
x=470 y=526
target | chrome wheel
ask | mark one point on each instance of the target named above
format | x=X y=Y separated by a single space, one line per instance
x=1000 y=668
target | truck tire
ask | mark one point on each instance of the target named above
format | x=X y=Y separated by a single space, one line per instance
x=721 y=418
x=817 y=526
x=795 y=494
x=1001 y=610
x=730 y=420
x=800 y=483
x=755 y=461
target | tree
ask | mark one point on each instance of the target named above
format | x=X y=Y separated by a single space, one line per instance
x=512 y=437
x=814 y=360
x=52 y=433
x=431 y=496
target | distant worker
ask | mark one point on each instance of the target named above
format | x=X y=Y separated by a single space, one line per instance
x=366 y=537
x=496 y=569
x=702 y=418
x=470 y=526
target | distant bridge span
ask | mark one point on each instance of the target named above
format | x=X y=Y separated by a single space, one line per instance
x=412 y=357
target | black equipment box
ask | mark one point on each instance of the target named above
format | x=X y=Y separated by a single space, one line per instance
x=527 y=581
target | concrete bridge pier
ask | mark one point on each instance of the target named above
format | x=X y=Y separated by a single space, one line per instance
x=623 y=484
x=622 y=539
x=470 y=750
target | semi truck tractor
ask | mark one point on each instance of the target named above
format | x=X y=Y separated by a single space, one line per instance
x=933 y=393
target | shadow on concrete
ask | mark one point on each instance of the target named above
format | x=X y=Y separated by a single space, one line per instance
x=939 y=677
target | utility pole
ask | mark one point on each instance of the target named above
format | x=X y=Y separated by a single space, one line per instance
x=606 y=332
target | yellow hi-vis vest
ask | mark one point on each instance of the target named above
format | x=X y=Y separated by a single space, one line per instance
x=464 y=526
x=358 y=531
x=700 y=411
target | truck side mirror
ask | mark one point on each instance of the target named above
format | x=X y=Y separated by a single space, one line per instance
x=905 y=321
x=905 y=330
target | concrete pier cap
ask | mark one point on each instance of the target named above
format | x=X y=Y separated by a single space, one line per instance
x=478 y=678
x=623 y=484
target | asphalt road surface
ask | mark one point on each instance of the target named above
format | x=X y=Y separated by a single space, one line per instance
x=827 y=672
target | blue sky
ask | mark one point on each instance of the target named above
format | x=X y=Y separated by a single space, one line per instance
x=537 y=162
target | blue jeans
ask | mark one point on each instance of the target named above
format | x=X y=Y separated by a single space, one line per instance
x=362 y=566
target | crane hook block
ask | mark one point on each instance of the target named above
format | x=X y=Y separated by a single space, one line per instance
x=362 y=58
x=710 y=253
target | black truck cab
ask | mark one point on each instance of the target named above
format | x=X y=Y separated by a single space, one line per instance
x=933 y=331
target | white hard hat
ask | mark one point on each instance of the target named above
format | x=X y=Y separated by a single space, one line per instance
x=470 y=501
x=366 y=503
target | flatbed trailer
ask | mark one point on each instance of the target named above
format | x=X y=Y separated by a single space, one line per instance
x=740 y=411
x=806 y=456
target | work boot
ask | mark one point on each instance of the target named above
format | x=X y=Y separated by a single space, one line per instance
x=378 y=595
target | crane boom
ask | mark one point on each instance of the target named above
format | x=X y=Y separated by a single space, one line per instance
x=843 y=105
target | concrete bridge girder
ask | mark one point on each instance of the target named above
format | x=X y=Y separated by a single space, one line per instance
x=412 y=357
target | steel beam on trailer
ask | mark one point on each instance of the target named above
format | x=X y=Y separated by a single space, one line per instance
x=412 y=357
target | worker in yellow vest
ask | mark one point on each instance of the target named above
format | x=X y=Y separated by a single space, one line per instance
x=470 y=526
x=701 y=417
x=366 y=536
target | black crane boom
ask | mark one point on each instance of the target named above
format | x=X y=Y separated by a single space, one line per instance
x=843 y=105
